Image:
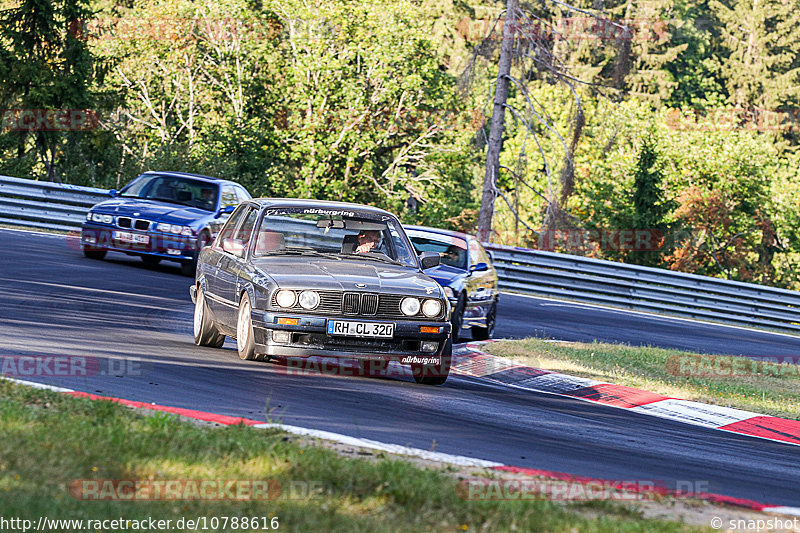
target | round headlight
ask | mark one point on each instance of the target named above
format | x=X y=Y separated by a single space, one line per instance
x=286 y=298
x=409 y=306
x=164 y=227
x=431 y=308
x=176 y=229
x=108 y=219
x=186 y=230
x=308 y=299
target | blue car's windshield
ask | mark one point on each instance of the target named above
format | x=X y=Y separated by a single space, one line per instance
x=453 y=250
x=175 y=190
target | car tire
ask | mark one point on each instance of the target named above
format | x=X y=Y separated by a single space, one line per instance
x=482 y=334
x=93 y=253
x=457 y=317
x=435 y=374
x=151 y=260
x=205 y=331
x=245 y=343
x=189 y=268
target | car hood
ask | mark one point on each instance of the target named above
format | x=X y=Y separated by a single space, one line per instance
x=149 y=209
x=446 y=275
x=298 y=272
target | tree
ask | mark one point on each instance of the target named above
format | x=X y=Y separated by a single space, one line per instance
x=46 y=68
x=649 y=206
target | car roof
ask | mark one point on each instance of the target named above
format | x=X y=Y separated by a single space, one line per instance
x=326 y=204
x=187 y=175
x=447 y=232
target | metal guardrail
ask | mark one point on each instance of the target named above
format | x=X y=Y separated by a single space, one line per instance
x=46 y=205
x=64 y=207
x=596 y=281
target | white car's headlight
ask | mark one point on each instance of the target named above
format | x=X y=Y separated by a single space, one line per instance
x=286 y=298
x=431 y=308
x=409 y=306
x=308 y=299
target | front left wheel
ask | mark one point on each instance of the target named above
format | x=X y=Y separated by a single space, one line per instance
x=435 y=374
x=245 y=342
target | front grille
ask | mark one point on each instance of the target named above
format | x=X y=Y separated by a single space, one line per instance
x=350 y=303
x=135 y=223
x=385 y=306
x=369 y=304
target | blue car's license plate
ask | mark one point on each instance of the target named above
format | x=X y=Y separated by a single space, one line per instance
x=360 y=329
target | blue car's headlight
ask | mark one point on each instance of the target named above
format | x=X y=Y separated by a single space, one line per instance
x=175 y=228
x=97 y=217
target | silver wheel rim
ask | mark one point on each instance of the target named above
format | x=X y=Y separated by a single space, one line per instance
x=243 y=326
x=198 y=313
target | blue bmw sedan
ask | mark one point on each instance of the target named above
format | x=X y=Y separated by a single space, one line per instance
x=161 y=215
x=467 y=276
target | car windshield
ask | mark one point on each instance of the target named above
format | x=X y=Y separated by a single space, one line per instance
x=338 y=233
x=175 y=190
x=453 y=250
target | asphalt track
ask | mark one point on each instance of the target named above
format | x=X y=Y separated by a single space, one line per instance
x=135 y=323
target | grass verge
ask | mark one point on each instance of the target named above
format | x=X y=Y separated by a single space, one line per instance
x=765 y=386
x=50 y=440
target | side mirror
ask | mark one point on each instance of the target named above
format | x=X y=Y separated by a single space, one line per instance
x=112 y=193
x=429 y=260
x=233 y=246
x=226 y=210
x=479 y=267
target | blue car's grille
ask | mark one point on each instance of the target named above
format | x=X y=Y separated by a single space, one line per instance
x=386 y=306
x=135 y=223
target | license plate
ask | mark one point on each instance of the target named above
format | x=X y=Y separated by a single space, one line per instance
x=360 y=329
x=136 y=238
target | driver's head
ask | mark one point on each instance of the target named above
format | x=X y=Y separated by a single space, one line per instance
x=452 y=252
x=207 y=194
x=369 y=236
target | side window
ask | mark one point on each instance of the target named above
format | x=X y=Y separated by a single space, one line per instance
x=477 y=254
x=242 y=193
x=245 y=229
x=230 y=225
x=228 y=196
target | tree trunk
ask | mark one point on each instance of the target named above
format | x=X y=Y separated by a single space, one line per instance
x=495 y=144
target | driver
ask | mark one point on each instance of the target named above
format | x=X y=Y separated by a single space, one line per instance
x=368 y=241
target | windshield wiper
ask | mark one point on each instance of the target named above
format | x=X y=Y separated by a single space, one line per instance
x=383 y=258
x=290 y=251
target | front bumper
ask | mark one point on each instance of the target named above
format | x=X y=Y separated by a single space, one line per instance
x=310 y=338
x=164 y=245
